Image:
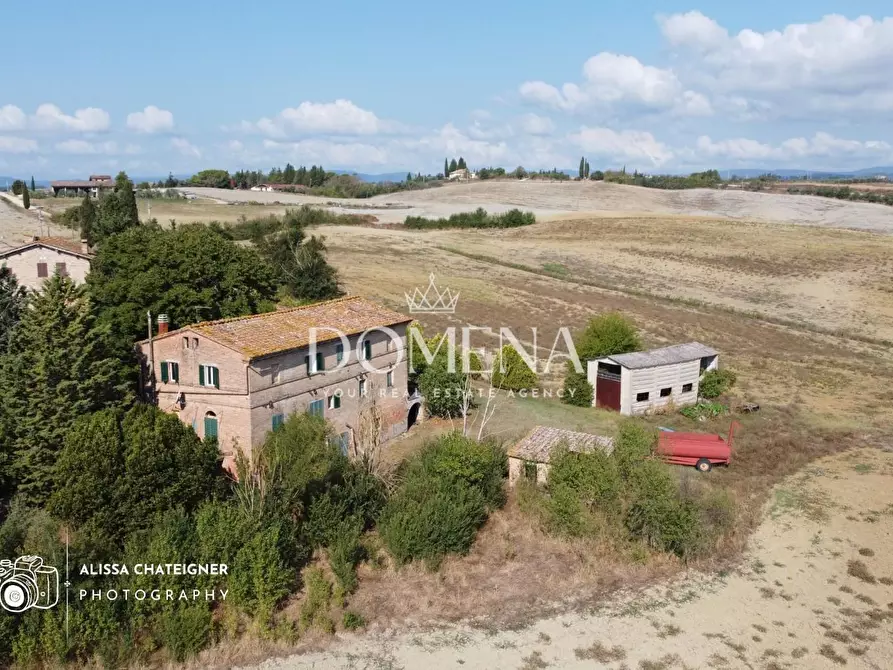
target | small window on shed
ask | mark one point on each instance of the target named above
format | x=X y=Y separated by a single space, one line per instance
x=686 y=388
x=642 y=397
x=530 y=471
x=666 y=392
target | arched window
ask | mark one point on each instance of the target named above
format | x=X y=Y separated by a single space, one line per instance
x=210 y=425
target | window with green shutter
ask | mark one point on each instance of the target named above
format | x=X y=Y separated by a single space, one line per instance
x=278 y=420
x=164 y=372
x=174 y=371
x=390 y=378
x=320 y=362
x=210 y=425
x=339 y=353
x=367 y=350
x=209 y=375
x=316 y=408
x=335 y=401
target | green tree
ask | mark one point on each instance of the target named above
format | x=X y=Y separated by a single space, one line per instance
x=461 y=164
x=453 y=166
x=576 y=390
x=26 y=198
x=33 y=187
x=117 y=470
x=17 y=186
x=582 y=168
x=300 y=264
x=212 y=179
x=58 y=367
x=446 y=168
x=586 y=170
x=192 y=273
x=13 y=299
x=511 y=372
x=444 y=391
x=117 y=210
x=88 y=215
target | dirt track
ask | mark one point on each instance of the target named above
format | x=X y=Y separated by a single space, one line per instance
x=556 y=198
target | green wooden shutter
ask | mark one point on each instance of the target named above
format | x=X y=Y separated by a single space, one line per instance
x=367 y=350
x=215 y=377
x=337 y=402
x=278 y=420
x=175 y=372
x=201 y=375
x=210 y=427
x=320 y=362
x=307 y=364
x=163 y=372
x=339 y=353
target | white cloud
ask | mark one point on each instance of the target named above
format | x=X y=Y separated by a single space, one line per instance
x=533 y=124
x=341 y=117
x=90 y=119
x=330 y=152
x=12 y=118
x=82 y=147
x=613 y=79
x=822 y=145
x=17 y=145
x=235 y=145
x=151 y=120
x=185 y=148
x=834 y=64
x=631 y=145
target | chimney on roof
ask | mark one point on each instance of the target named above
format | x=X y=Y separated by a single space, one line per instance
x=85 y=247
x=162 y=324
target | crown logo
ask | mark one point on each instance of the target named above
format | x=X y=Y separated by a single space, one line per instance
x=432 y=301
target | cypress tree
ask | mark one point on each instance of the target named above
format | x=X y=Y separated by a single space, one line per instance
x=26 y=198
x=582 y=167
x=88 y=215
x=453 y=166
x=461 y=163
x=33 y=187
x=446 y=168
x=57 y=369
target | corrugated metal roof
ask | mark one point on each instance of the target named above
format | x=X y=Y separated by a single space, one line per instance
x=538 y=444
x=678 y=353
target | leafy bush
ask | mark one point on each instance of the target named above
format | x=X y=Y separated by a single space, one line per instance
x=353 y=621
x=345 y=553
x=605 y=335
x=186 y=631
x=576 y=390
x=261 y=575
x=444 y=391
x=634 y=443
x=454 y=457
x=703 y=409
x=476 y=219
x=430 y=518
x=511 y=372
x=716 y=382
x=317 y=601
x=594 y=476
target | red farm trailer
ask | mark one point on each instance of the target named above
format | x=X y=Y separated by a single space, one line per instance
x=702 y=450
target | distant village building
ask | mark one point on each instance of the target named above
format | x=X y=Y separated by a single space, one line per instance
x=643 y=381
x=530 y=458
x=93 y=186
x=38 y=259
x=239 y=378
x=462 y=174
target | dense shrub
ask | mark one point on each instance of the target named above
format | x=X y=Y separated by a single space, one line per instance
x=716 y=382
x=476 y=219
x=353 y=621
x=605 y=335
x=261 y=574
x=446 y=393
x=443 y=500
x=594 y=476
x=345 y=552
x=577 y=390
x=186 y=632
x=633 y=444
x=511 y=372
x=317 y=601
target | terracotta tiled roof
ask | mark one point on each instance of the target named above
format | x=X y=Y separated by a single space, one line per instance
x=264 y=334
x=60 y=243
x=538 y=444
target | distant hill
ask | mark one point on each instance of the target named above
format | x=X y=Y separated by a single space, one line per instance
x=815 y=174
x=39 y=183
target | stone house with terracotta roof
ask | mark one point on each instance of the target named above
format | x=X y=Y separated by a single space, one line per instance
x=39 y=258
x=239 y=378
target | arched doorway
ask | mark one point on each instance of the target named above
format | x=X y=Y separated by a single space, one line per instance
x=413 y=417
x=210 y=425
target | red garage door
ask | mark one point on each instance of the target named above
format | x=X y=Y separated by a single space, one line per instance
x=607 y=387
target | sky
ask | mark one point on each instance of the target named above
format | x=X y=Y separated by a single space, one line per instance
x=398 y=86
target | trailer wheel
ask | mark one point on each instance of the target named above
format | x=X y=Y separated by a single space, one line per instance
x=704 y=465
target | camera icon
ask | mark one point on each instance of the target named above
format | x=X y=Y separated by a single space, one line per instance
x=26 y=583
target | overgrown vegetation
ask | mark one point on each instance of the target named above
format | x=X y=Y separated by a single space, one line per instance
x=716 y=383
x=706 y=179
x=629 y=498
x=845 y=193
x=511 y=372
x=445 y=495
x=479 y=218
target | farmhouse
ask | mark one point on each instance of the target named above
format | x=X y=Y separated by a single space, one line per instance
x=239 y=378
x=95 y=184
x=530 y=457
x=462 y=174
x=642 y=381
x=36 y=260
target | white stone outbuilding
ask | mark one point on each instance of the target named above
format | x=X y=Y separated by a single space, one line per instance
x=643 y=381
x=531 y=456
